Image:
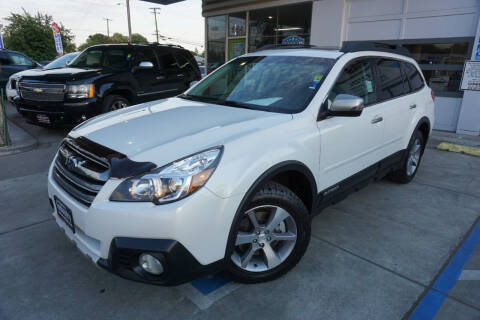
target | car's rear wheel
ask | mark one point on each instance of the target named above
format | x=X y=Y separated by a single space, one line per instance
x=411 y=160
x=114 y=102
x=270 y=236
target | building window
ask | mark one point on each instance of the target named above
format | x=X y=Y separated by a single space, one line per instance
x=441 y=64
x=237 y=24
x=216 y=31
x=284 y=24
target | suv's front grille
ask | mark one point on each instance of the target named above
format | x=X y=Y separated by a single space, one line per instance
x=37 y=91
x=79 y=172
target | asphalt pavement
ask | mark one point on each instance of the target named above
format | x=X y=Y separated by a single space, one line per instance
x=389 y=251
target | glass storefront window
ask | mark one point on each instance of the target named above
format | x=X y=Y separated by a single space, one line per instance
x=216 y=41
x=237 y=24
x=281 y=24
x=441 y=64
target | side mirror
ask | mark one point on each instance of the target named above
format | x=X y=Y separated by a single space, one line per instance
x=193 y=83
x=346 y=105
x=145 y=65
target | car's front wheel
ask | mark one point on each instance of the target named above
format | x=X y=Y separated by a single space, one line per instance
x=114 y=102
x=269 y=237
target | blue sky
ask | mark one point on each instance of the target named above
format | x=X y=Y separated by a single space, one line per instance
x=181 y=21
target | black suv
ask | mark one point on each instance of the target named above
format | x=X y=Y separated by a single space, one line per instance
x=105 y=78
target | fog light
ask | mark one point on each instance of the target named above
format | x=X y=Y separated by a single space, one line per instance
x=150 y=264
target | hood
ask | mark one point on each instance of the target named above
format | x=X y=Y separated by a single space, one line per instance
x=59 y=74
x=166 y=130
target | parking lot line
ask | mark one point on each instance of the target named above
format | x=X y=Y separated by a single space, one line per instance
x=470 y=275
x=433 y=300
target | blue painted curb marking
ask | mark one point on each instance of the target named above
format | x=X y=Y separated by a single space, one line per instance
x=209 y=284
x=433 y=300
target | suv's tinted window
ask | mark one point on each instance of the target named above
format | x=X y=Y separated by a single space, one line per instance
x=108 y=57
x=167 y=60
x=356 y=79
x=183 y=62
x=145 y=55
x=415 y=79
x=391 y=81
x=19 y=60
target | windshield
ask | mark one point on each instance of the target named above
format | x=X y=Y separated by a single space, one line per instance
x=60 y=62
x=107 y=57
x=271 y=83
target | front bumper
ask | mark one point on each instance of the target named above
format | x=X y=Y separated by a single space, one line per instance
x=57 y=113
x=190 y=234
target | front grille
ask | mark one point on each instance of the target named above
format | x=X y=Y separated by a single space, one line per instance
x=37 y=91
x=79 y=172
x=13 y=84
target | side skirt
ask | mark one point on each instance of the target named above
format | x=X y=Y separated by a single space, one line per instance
x=341 y=190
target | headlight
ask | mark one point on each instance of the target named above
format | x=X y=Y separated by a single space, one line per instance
x=80 y=91
x=172 y=182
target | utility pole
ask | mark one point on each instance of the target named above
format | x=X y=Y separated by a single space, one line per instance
x=154 y=11
x=129 y=23
x=108 y=26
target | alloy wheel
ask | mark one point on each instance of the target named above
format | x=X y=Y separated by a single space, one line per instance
x=118 y=104
x=414 y=157
x=266 y=238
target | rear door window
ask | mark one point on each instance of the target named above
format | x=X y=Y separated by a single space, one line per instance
x=145 y=55
x=414 y=77
x=356 y=79
x=390 y=78
x=167 y=60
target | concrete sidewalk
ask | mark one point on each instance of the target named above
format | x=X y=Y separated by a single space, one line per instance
x=21 y=140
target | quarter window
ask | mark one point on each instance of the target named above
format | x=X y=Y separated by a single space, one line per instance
x=414 y=77
x=391 y=80
x=356 y=79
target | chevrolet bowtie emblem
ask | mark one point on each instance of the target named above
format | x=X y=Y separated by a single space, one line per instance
x=37 y=90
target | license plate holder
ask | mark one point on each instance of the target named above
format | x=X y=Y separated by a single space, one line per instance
x=65 y=214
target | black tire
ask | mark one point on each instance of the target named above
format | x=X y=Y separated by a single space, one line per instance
x=273 y=194
x=403 y=175
x=111 y=103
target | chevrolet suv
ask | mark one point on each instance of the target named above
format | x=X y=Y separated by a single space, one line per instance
x=104 y=78
x=228 y=175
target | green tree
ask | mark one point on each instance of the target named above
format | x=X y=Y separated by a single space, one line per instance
x=32 y=35
x=138 y=38
x=99 y=38
x=93 y=39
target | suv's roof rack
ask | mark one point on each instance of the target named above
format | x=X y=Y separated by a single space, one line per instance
x=167 y=45
x=286 y=46
x=356 y=46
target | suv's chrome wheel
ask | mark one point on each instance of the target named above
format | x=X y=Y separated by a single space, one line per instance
x=266 y=237
x=118 y=104
x=414 y=155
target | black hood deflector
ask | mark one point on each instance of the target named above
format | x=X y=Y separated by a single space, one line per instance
x=120 y=165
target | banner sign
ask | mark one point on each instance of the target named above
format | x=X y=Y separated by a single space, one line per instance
x=1 y=42
x=471 y=76
x=58 y=38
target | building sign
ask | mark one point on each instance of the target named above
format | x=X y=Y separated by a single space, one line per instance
x=477 y=53
x=293 y=40
x=471 y=76
x=58 y=38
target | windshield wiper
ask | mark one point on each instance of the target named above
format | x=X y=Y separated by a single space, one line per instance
x=228 y=103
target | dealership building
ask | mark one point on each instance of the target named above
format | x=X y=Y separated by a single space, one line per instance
x=440 y=34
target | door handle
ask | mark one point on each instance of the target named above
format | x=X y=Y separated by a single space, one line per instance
x=160 y=77
x=181 y=75
x=377 y=120
x=413 y=106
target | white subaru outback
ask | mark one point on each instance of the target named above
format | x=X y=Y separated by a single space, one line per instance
x=228 y=175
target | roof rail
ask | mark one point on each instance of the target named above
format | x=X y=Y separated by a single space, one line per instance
x=356 y=46
x=286 y=46
x=166 y=45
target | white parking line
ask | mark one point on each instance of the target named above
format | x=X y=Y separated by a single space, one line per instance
x=204 y=301
x=470 y=275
